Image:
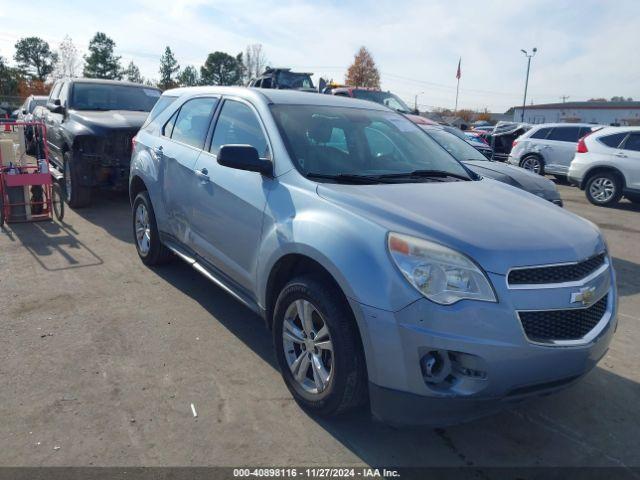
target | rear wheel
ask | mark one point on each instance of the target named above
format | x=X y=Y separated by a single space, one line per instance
x=318 y=348
x=145 y=232
x=533 y=163
x=603 y=189
x=76 y=195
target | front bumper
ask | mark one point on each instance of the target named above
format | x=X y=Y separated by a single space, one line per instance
x=494 y=364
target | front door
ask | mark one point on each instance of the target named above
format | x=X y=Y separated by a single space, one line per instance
x=561 y=147
x=629 y=159
x=228 y=204
x=177 y=150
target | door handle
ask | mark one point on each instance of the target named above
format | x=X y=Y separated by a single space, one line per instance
x=203 y=174
x=620 y=155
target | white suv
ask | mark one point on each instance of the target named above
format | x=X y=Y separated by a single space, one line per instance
x=548 y=147
x=607 y=165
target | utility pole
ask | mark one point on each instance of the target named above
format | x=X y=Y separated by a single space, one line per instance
x=564 y=98
x=526 y=83
x=415 y=103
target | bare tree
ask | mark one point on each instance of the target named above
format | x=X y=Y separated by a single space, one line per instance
x=69 y=62
x=255 y=61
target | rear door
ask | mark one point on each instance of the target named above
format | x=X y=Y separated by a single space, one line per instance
x=228 y=204
x=561 y=147
x=628 y=158
x=52 y=122
x=176 y=149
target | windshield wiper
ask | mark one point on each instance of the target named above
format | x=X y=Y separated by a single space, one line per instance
x=347 y=178
x=425 y=174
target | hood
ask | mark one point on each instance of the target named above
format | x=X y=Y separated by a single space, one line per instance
x=497 y=225
x=516 y=176
x=116 y=119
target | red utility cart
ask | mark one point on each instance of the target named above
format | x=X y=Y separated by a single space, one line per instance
x=28 y=191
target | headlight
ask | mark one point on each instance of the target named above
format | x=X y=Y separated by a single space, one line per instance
x=442 y=275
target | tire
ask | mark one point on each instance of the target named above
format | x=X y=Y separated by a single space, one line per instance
x=533 y=163
x=57 y=203
x=345 y=385
x=76 y=195
x=603 y=189
x=145 y=232
x=1 y=210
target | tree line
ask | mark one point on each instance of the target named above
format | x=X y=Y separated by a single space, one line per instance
x=37 y=64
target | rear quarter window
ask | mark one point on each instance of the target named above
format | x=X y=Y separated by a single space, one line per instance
x=614 y=140
x=540 y=134
x=161 y=105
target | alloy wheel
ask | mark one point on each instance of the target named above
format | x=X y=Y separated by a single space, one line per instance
x=532 y=164
x=307 y=346
x=602 y=189
x=143 y=230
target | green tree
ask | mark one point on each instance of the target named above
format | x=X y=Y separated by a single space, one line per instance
x=101 y=61
x=363 y=72
x=35 y=57
x=132 y=73
x=189 y=76
x=221 y=69
x=9 y=78
x=169 y=68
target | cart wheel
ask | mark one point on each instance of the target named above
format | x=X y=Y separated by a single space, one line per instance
x=57 y=202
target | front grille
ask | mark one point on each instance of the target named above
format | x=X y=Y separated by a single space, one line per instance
x=572 y=324
x=556 y=274
x=118 y=145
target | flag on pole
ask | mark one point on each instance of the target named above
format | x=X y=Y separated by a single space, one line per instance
x=459 y=72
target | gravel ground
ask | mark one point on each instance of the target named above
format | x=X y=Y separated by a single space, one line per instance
x=101 y=359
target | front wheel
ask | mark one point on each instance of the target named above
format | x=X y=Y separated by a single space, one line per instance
x=318 y=347
x=533 y=163
x=145 y=232
x=603 y=189
x=76 y=195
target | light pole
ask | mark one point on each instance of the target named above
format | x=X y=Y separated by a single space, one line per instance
x=526 y=83
x=415 y=102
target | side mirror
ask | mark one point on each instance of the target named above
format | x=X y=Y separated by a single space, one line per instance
x=55 y=106
x=244 y=157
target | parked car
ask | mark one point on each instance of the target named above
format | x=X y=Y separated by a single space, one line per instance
x=90 y=126
x=483 y=147
x=284 y=78
x=607 y=165
x=465 y=152
x=385 y=269
x=32 y=101
x=501 y=138
x=548 y=147
x=483 y=128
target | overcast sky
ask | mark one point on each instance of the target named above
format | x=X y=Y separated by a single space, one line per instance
x=586 y=48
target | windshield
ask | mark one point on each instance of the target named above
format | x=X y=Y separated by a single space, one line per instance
x=294 y=80
x=387 y=99
x=332 y=141
x=36 y=102
x=460 y=149
x=97 y=96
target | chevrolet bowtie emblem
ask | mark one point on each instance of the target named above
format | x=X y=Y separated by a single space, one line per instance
x=584 y=296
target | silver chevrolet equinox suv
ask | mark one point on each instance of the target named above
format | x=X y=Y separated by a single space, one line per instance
x=388 y=273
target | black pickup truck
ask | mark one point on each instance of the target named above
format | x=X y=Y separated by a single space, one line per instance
x=90 y=125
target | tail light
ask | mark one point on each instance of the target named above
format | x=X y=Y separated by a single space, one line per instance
x=133 y=143
x=582 y=147
x=513 y=145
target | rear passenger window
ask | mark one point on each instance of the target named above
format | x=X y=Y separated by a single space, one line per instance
x=192 y=122
x=239 y=125
x=633 y=142
x=565 y=134
x=614 y=140
x=541 y=134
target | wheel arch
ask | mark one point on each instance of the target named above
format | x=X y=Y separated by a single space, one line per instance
x=602 y=169
x=136 y=185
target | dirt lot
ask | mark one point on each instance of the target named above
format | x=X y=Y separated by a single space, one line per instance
x=101 y=359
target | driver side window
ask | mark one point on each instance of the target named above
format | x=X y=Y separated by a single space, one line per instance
x=239 y=125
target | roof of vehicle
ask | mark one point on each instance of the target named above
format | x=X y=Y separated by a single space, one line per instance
x=289 y=97
x=110 y=82
x=611 y=130
x=38 y=97
x=553 y=125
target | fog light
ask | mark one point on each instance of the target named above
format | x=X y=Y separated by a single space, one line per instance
x=436 y=366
